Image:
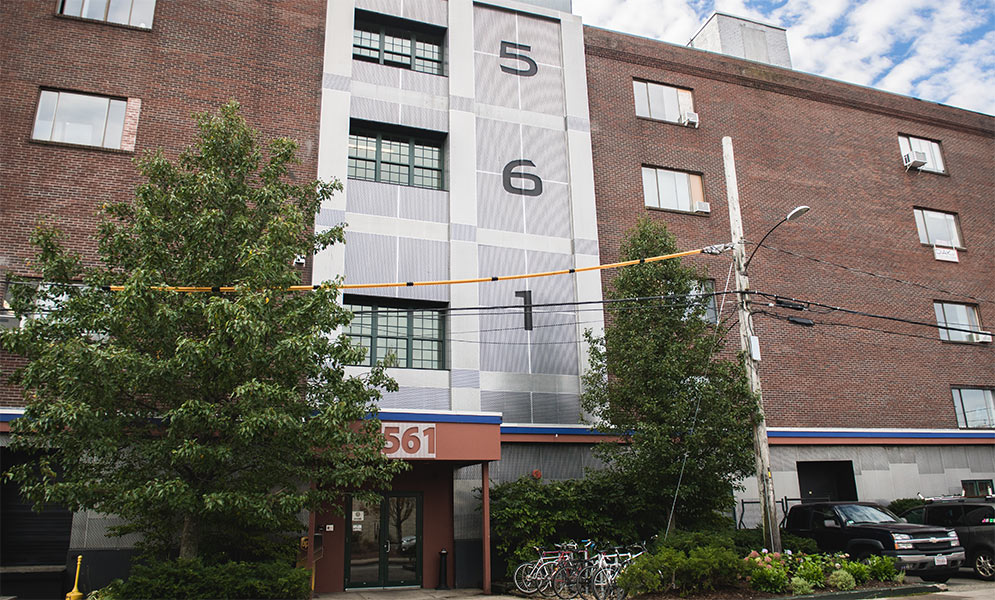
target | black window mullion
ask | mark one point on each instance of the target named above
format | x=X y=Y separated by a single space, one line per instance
x=377 y=173
x=373 y=335
x=411 y=160
x=441 y=356
x=410 y=334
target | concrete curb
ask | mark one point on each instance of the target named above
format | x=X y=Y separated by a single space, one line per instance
x=904 y=590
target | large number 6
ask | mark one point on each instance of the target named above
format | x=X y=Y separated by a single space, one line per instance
x=506 y=52
x=509 y=173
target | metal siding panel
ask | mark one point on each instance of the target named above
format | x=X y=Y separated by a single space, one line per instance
x=493 y=86
x=543 y=35
x=502 y=336
x=549 y=213
x=374 y=110
x=371 y=258
x=423 y=260
x=416 y=398
x=427 y=11
x=498 y=142
x=422 y=204
x=543 y=92
x=491 y=27
x=548 y=149
x=465 y=378
x=496 y=208
x=372 y=198
x=516 y=460
x=375 y=73
x=424 y=118
x=515 y=407
x=389 y=7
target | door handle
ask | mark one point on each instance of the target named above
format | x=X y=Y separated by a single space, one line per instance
x=388 y=546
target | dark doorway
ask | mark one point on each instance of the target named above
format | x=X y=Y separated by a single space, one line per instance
x=821 y=479
x=384 y=546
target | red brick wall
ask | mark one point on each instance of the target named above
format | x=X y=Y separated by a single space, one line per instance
x=265 y=54
x=800 y=139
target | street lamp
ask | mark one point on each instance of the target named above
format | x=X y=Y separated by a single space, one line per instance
x=791 y=216
x=751 y=345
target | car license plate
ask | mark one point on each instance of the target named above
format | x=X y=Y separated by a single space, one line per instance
x=940 y=560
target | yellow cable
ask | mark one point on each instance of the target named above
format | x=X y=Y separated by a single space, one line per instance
x=357 y=286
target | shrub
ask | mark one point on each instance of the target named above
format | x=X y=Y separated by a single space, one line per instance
x=769 y=577
x=903 y=504
x=647 y=573
x=882 y=568
x=841 y=580
x=859 y=571
x=812 y=570
x=670 y=569
x=194 y=580
x=799 y=586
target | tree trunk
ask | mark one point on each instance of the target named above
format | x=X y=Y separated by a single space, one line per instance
x=188 y=538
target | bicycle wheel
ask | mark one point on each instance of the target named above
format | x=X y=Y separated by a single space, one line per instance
x=601 y=584
x=524 y=579
x=544 y=579
x=584 y=581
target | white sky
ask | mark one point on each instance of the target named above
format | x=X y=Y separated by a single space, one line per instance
x=939 y=51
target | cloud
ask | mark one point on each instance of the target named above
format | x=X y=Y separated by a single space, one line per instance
x=942 y=52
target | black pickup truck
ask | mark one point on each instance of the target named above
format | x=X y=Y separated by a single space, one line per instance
x=861 y=529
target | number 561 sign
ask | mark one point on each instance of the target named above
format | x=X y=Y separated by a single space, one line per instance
x=409 y=440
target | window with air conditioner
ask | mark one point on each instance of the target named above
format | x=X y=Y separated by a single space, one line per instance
x=673 y=190
x=938 y=228
x=959 y=323
x=137 y=13
x=975 y=407
x=398 y=43
x=412 y=333
x=664 y=103
x=921 y=154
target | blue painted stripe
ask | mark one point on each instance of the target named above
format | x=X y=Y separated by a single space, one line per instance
x=389 y=415
x=885 y=434
x=8 y=417
x=548 y=430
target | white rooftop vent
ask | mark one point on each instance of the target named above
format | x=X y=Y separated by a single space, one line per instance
x=914 y=159
x=689 y=119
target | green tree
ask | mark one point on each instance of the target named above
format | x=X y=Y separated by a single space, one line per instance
x=207 y=421
x=658 y=380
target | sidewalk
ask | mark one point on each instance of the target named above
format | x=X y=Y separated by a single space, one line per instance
x=414 y=594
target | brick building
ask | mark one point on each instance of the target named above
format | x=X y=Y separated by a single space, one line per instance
x=479 y=139
x=858 y=407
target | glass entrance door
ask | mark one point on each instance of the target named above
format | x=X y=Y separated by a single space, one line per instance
x=384 y=544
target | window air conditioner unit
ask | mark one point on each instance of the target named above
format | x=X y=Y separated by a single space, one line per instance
x=914 y=160
x=982 y=337
x=702 y=207
x=690 y=119
x=300 y=259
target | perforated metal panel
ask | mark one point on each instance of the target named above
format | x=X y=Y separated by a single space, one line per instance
x=515 y=407
x=371 y=258
x=423 y=260
x=411 y=398
x=427 y=11
x=547 y=147
x=496 y=208
x=374 y=110
x=376 y=73
x=371 y=198
x=90 y=530
x=549 y=214
x=422 y=204
x=503 y=337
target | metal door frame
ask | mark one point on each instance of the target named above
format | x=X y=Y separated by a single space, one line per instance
x=384 y=532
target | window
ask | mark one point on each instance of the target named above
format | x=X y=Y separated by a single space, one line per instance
x=415 y=335
x=978 y=487
x=974 y=407
x=980 y=516
x=916 y=515
x=705 y=286
x=398 y=43
x=395 y=158
x=938 y=228
x=934 y=160
x=672 y=190
x=661 y=102
x=83 y=119
x=137 y=13
x=958 y=316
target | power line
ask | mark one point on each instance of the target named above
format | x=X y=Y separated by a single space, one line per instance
x=852 y=326
x=880 y=276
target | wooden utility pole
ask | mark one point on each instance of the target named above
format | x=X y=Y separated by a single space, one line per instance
x=751 y=353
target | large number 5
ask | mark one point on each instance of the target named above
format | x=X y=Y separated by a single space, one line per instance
x=506 y=52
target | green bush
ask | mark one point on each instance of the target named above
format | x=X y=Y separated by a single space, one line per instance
x=686 y=541
x=860 y=572
x=670 y=569
x=841 y=580
x=799 y=586
x=812 y=570
x=903 y=504
x=769 y=577
x=194 y=580
x=882 y=568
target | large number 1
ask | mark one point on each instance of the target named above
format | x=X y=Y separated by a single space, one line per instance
x=506 y=52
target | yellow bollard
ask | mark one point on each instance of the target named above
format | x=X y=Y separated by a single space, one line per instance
x=76 y=594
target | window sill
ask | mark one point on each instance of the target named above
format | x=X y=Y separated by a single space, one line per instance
x=394 y=66
x=118 y=25
x=80 y=146
x=677 y=123
x=941 y=173
x=678 y=212
x=957 y=248
x=964 y=343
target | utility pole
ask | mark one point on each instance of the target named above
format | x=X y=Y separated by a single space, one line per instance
x=751 y=353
